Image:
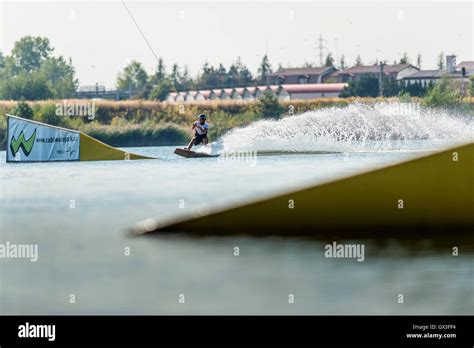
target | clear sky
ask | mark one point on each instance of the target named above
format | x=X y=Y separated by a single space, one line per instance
x=101 y=38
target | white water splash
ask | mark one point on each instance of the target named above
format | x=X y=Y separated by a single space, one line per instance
x=357 y=127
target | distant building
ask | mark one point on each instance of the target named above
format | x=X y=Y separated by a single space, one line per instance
x=227 y=93
x=237 y=93
x=100 y=92
x=427 y=77
x=199 y=96
x=215 y=94
x=299 y=75
x=282 y=92
x=204 y=95
x=171 y=97
x=255 y=92
x=395 y=72
x=190 y=96
x=468 y=66
x=181 y=96
x=312 y=91
x=274 y=89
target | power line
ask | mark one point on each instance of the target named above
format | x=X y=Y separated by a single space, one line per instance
x=321 y=48
x=141 y=32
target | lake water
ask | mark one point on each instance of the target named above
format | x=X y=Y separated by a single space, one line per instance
x=78 y=214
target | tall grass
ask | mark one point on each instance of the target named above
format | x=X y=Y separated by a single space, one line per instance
x=139 y=136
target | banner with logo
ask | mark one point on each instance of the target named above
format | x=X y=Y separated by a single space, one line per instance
x=30 y=141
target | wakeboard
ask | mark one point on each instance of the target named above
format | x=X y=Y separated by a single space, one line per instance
x=191 y=154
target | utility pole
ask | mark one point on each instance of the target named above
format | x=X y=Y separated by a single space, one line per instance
x=463 y=86
x=320 y=48
x=381 y=65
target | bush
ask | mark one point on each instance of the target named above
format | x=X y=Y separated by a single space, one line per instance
x=25 y=86
x=366 y=86
x=22 y=109
x=139 y=136
x=3 y=138
x=446 y=93
x=269 y=107
x=47 y=114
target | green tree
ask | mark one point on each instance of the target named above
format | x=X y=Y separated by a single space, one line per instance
x=390 y=87
x=160 y=74
x=264 y=69
x=161 y=91
x=59 y=76
x=238 y=74
x=175 y=76
x=269 y=107
x=32 y=73
x=2 y=60
x=133 y=78
x=441 y=61
x=329 y=61
x=221 y=76
x=358 y=61
x=8 y=70
x=342 y=62
x=29 y=52
x=205 y=80
x=185 y=80
x=28 y=86
x=418 y=61
x=404 y=59
x=233 y=75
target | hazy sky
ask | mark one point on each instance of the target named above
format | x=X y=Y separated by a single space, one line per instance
x=101 y=38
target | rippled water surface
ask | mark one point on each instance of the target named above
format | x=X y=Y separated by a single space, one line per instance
x=81 y=250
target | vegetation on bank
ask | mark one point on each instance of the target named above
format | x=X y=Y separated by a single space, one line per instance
x=146 y=123
x=150 y=123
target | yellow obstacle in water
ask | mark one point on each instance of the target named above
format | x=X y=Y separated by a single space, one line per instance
x=430 y=193
x=94 y=150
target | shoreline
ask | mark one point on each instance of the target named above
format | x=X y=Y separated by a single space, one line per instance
x=135 y=123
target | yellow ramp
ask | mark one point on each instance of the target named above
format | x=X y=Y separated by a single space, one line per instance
x=94 y=150
x=429 y=193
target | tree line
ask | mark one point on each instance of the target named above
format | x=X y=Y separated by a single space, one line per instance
x=368 y=86
x=33 y=72
x=135 y=80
